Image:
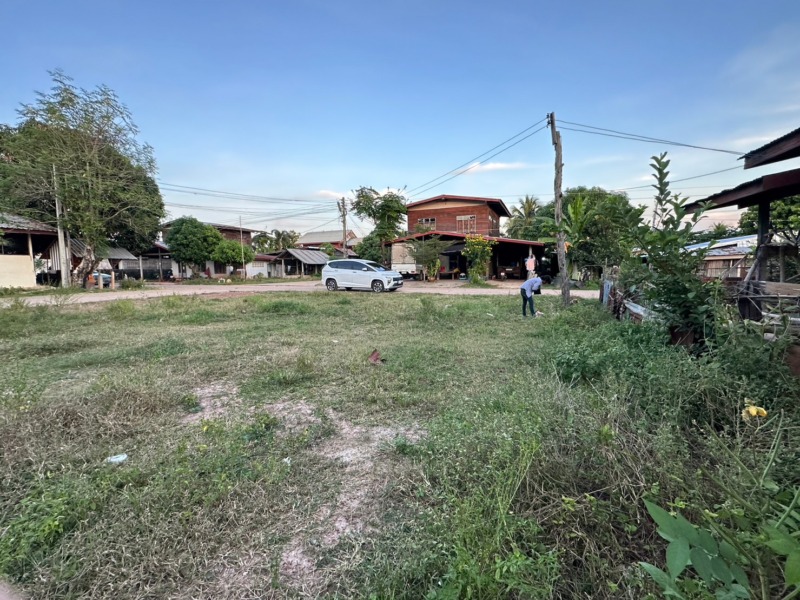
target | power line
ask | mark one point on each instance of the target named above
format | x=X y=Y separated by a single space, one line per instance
x=481 y=162
x=185 y=189
x=476 y=158
x=640 y=138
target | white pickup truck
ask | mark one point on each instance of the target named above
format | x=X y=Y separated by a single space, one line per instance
x=403 y=262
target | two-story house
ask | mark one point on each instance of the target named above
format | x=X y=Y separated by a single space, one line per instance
x=459 y=214
x=452 y=218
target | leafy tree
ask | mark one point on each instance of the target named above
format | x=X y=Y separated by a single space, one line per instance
x=82 y=145
x=370 y=248
x=719 y=231
x=192 y=242
x=386 y=211
x=784 y=219
x=523 y=224
x=328 y=249
x=478 y=251
x=670 y=280
x=275 y=240
x=426 y=252
x=596 y=223
x=232 y=253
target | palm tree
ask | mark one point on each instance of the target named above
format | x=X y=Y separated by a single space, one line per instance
x=523 y=222
x=275 y=240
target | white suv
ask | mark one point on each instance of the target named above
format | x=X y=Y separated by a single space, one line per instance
x=355 y=273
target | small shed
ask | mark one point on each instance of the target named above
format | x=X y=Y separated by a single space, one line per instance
x=296 y=262
x=22 y=241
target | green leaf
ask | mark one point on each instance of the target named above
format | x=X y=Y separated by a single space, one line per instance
x=707 y=543
x=667 y=524
x=701 y=562
x=677 y=557
x=739 y=575
x=780 y=542
x=791 y=572
x=687 y=530
x=728 y=552
x=721 y=571
x=662 y=579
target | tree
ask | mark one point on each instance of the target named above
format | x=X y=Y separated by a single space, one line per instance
x=275 y=240
x=426 y=252
x=523 y=224
x=232 y=253
x=328 y=249
x=597 y=225
x=719 y=231
x=784 y=220
x=478 y=251
x=192 y=242
x=386 y=211
x=370 y=248
x=670 y=280
x=82 y=145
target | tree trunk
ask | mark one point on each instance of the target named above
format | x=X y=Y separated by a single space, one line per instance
x=86 y=266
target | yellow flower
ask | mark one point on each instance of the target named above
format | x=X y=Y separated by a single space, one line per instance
x=751 y=411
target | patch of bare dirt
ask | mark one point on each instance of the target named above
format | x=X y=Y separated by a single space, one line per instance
x=215 y=400
x=296 y=415
x=298 y=569
x=364 y=473
x=364 y=476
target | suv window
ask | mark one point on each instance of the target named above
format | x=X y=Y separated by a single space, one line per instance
x=337 y=264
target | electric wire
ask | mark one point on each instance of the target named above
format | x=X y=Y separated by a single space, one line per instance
x=479 y=163
x=410 y=192
x=639 y=138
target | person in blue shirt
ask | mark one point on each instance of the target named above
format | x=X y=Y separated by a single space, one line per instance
x=527 y=290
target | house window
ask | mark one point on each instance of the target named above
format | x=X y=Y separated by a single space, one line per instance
x=466 y=224
x=427 y=223
x=259 y=263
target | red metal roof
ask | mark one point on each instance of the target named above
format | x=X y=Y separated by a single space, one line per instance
x=498 y=204
x=764 y=189
x=462 y=236
x=782 y=148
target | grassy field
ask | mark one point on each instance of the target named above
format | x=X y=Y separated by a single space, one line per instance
x=484 y=455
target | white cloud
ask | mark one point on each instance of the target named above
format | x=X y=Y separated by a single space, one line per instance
x=330 y=194
x=499 y=166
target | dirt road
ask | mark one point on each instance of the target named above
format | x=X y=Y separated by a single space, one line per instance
x=452 y=288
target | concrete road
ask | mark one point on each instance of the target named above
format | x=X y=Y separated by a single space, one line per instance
x=451 y=288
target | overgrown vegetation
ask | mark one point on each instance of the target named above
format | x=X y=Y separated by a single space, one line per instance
x=483 y=457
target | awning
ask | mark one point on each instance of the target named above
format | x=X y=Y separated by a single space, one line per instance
x=764 y=189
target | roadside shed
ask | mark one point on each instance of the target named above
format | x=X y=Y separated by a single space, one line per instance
x=296 y=262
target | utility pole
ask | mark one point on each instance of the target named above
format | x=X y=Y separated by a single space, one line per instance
x=561 y=247
x=63 y=257
x=241 y=243
x=343 y=213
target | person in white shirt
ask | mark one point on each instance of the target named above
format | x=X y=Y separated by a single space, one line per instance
x=527 y=290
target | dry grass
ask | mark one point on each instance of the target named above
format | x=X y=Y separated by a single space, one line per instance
x=260 y=440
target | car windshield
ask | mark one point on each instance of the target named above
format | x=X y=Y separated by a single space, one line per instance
x=374 y=265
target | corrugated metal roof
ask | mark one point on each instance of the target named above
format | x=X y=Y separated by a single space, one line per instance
x=320 y=237
x=309 y=257
x=79 y=249
x=9 y=221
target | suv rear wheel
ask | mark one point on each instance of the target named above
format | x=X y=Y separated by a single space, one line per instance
x=331 y=285
x=377 y=286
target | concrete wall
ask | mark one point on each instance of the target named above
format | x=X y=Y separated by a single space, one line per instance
x=16 y=271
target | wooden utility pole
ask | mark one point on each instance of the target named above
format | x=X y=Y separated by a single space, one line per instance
x=343 y=213
x=63 y=256
x=561 y=246
x=241 y=243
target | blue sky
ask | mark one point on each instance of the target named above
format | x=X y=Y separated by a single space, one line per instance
x=308 y=99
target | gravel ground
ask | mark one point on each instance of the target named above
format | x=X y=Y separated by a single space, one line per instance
x=452 y=288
